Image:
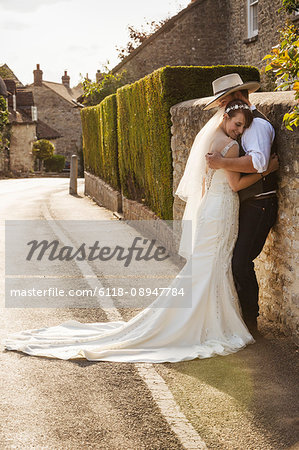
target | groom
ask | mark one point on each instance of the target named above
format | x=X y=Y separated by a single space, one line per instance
x=258 y=203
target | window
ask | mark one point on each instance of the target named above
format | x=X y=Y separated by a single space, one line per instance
x=34 y=113
x=252 y=18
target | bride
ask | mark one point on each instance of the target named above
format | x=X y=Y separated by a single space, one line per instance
x=165 y=332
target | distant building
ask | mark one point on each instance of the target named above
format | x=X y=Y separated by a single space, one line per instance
x=57 y=110
x=25 y=125
x=7 y=74
x=25 y=128
x=211 y=32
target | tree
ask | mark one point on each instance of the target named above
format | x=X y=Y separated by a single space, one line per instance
x=290 y=6
x=137 y=37
x=43 y=150
x=283 y=63
x=95 y=91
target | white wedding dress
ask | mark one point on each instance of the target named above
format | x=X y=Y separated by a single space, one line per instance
x=212 y=325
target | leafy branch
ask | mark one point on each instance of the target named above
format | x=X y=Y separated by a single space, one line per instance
x=283 y=62
x=95 y=91
x=289 y=6
x=4 y=125
x=137 y=37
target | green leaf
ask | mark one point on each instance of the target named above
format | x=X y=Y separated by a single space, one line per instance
x=268 y=68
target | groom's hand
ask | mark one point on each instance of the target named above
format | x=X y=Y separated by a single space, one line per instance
x=214 y=160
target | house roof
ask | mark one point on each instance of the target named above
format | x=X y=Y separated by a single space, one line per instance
x=44 y=131
x=24 y=98
x=67 y=93
x=19 y=116
x=7 y=73
x=11 y=85
x=77 y=90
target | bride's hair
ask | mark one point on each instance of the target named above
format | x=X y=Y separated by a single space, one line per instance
x=238 y=106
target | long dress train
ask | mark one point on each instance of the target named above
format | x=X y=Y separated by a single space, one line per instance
x=212 y=325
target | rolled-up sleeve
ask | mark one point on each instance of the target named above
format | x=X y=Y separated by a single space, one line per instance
x=257 y=141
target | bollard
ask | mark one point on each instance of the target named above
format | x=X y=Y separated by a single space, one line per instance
x=74 y=175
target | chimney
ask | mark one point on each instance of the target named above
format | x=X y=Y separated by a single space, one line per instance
x=65 y=79
x=38 y=76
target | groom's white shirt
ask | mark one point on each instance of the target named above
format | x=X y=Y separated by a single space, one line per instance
x=257 y=141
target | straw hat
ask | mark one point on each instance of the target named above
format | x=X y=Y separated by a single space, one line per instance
x=227 y=84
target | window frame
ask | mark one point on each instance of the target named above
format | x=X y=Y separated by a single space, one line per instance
x=251 y=32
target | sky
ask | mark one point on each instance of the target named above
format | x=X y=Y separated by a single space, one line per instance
x=79 y=36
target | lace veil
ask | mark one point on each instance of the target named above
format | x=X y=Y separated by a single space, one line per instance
x=190 y=186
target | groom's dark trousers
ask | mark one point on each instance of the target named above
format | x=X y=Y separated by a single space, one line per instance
x=256 y=217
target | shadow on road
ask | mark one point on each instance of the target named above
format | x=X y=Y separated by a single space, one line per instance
x=262 y=379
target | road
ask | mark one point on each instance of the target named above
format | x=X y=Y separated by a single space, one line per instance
x=243 y=401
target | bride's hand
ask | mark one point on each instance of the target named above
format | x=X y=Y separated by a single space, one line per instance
x=214 y=160
x=273 y=164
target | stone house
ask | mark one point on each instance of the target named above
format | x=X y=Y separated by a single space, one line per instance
x=56 y=108
x=211 y=32
x=25 y=128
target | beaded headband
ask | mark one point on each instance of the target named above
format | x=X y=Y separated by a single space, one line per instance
x=237 y=107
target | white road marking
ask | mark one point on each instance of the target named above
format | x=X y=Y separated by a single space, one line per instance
x=177 y=421
x=163 y=397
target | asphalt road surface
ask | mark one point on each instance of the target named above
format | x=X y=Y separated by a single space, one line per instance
x=243 y=401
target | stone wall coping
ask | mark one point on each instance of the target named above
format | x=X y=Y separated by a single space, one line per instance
x=259 y=98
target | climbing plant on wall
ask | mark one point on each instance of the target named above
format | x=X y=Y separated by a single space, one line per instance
x=4 y=125
x=283 y=63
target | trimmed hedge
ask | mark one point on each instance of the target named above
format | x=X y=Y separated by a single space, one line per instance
x=55 y=163
x=144 y=128
x=99 y=129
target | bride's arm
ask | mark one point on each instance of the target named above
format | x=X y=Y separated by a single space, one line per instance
x=238 y=182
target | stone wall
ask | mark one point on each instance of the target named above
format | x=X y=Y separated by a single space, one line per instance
x=136 y=214
x=277 y=264
x=61 y=115
x=139 y=215
x=251 y=51
x=102 y=193
x=208 y=32
x=22 y=137
x=184 y=40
